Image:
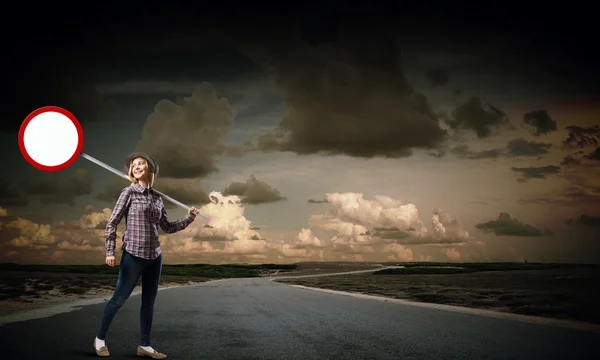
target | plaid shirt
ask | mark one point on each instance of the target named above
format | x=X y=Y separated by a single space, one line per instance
x=144 y=212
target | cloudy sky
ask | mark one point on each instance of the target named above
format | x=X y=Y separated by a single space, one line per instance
x=315 y=133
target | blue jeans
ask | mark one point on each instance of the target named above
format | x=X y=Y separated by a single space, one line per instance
x=130 y=269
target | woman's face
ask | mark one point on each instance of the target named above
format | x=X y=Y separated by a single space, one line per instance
x=140 y=168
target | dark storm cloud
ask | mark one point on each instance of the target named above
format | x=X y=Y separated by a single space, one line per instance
x=363 y=84
x=594 y=155
x=314 y=201
x=347 y=96
x=540 y=121
x=389 y=233
x=112 y=191
x=185 y=137
x=41 y=86
x=540 y=172
x=474 y=115
x=11 y=195
x=465 y=152
x=581 y=187
x=586 y=220
x=254 y=191
x=570 y=160
x=515 y=148
x=522 y=147
x=187 y=191
x=50 y=65
x=576 y=193
x=437 y=77
x=580 y=137
x=171 y=52
x=507 y=226
x=268 y=142
x=402 y=237
x=55 y=189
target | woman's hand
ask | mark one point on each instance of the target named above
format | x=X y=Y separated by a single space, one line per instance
x=192 y=212
x=110 y=261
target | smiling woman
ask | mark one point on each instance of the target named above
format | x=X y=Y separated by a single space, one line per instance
x=141 y=167
x=144 y=212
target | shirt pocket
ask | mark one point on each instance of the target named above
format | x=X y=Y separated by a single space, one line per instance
x=139 y=207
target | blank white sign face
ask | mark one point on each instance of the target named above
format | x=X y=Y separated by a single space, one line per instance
x=51 y=139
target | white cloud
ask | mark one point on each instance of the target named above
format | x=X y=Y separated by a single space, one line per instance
x=226 y=218
x=382 y=227
x=446 y=227
x=398 y=252
x=453 y=254
x=358 y=219
x=226 y=226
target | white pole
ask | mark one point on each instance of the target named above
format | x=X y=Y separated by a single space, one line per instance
x=124 y=176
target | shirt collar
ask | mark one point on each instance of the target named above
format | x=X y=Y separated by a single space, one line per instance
x=142 y=189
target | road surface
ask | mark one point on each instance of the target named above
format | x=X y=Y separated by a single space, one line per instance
x=262 y=319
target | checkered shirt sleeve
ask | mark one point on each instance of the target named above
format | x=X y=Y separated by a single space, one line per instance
x=121 y=208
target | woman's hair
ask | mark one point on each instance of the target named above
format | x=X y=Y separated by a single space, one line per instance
x=150 y=171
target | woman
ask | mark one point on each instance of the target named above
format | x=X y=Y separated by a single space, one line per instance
x=144 y=212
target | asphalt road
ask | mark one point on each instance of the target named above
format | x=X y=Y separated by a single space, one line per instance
x=262 y=319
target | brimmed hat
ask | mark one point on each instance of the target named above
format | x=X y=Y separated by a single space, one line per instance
x=137 y=154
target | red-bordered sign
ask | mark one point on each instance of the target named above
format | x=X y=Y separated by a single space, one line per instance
x=50 y=138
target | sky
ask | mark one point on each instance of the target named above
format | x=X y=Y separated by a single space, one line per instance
x=314 y=132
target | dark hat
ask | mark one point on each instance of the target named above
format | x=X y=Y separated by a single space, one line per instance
x=137 y=154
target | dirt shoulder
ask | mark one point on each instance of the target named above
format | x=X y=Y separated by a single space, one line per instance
x=28 y=291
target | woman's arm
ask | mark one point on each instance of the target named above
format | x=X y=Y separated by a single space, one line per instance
x=171 y=227
x=111 y=228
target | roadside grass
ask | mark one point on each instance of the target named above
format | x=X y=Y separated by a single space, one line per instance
x=199 y=270
x=25 y=288
x=27 y=282
x=562 y=291
x=461 y=268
